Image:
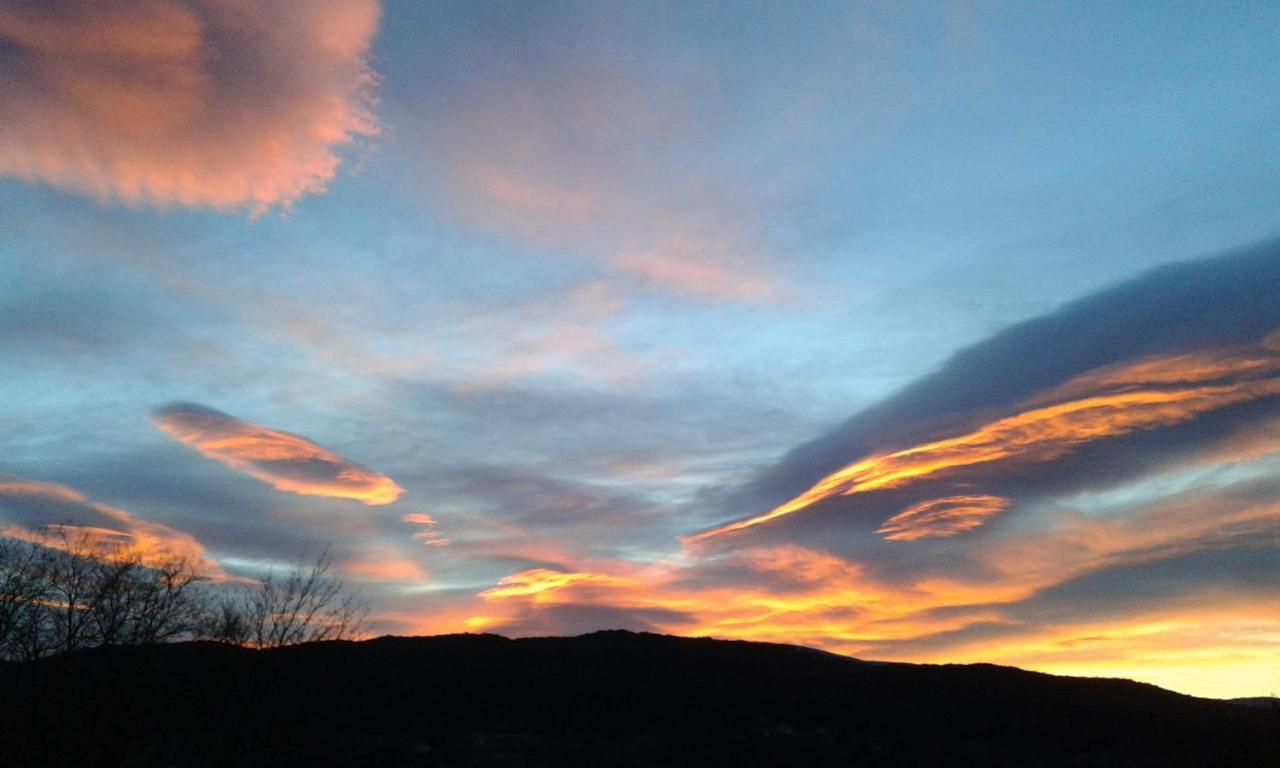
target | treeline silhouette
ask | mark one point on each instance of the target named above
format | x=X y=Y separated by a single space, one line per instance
x=113 y=656
x=65 y=590
x=605 y=700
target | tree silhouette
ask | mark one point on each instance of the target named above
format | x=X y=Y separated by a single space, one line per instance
x=308 y=605
x=24 y=589
x=65 y=590
x=138 y=603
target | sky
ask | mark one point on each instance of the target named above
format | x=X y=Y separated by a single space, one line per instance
x=932 y=332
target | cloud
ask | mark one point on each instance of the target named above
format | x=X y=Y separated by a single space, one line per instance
x=34 y=509
x=283 y=460
x=1158 y=566
x=251 y=528
x=780 y=593
x=582 y=155
x=217 y=103
x=1105 y=388
x=382 y=563
x=1111 y=402
x=947 y=516
x=556 y=332
x=544 y=584
x=427 y=533
x=1072 y=495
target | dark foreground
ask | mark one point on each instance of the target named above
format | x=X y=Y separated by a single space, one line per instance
x=605 y=699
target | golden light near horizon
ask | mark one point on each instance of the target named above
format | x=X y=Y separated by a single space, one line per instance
x=718 y=320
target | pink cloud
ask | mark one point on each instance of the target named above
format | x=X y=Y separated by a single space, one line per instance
x=426 y=533
x=283 y=460
x=219 y=103
x=383 y=564
x=35 y=508
x=587 y=159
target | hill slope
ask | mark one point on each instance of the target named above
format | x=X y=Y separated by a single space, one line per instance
x=604 y=699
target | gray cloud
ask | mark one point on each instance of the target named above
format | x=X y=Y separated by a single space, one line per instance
x=1224 y=303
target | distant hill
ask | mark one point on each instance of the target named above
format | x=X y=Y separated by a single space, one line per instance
x=603 y=699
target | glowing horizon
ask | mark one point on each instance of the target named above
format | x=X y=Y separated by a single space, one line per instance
x=747 y=321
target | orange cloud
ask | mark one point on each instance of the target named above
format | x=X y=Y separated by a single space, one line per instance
x=428 y=534
x=49 y=507
x=216 y=103
x=1040 y=594
x=386 y=566
x=18 y=487
x=987 y=604
x=942 y=517
x=545 y=585
x=795 y=594
x=783 y=594
x=285 y=461
x=1110 y=402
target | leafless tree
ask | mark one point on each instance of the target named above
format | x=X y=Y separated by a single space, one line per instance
x=71 y=575
x=61 y=591
x=307 y=605
x=24 y=593
x=227 y=621
x=67 y=591
x=135 y=602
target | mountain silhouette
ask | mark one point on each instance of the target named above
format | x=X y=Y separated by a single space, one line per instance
x=604 y=699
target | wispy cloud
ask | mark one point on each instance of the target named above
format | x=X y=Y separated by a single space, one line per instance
x=946 y=516
x=1022 y=607
x=785 y=592
x=1017 y=500
x=283 y=460
x=31 y=508
x=200 y=103
x=1112 y=402
x=587 y=158
x=556 y=332
x=544 y=584
x=382 y=563
x=427 y=532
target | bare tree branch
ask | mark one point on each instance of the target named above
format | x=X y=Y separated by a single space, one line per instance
x=308 y=605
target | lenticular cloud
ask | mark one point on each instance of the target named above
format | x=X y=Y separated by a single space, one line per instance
x=217 y=103
x=285 y=461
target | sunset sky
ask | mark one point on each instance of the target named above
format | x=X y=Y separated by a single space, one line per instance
x=937 y=332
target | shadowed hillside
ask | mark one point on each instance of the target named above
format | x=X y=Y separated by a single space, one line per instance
x=604 y=699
